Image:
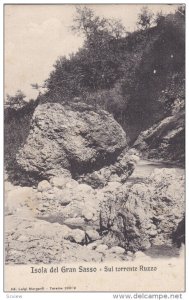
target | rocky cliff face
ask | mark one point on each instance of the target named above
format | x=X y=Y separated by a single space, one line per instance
x=16 y=127
x=165 y=140
x=77 y=137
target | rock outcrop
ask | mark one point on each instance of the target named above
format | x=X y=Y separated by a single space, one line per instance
x=165 y=140
x=17 y=120
x=179 y=234
x=32 y=241
x=80 y=223
x=145 y=213
x=120 y=171
x=74 y=137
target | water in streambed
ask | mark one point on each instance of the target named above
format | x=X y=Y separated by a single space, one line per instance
x=145 y=167
x=163 y=251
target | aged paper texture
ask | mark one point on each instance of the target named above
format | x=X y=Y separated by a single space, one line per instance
x=94 y=118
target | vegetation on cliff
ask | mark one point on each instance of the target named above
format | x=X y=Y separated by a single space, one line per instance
x=138 y=77
x=135 y=76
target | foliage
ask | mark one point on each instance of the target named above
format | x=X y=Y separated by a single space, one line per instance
x=123 y=73
x=16 y=101
x=159 y=18
x=91 y=26
x=96 y=65
x=86 y=23
x=145 y=18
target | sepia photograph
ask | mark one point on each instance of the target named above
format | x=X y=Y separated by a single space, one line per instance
x=94 y=147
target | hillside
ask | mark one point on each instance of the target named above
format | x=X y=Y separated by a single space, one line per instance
x=137 y=77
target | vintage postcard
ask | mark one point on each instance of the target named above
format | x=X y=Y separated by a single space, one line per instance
x=94 y=151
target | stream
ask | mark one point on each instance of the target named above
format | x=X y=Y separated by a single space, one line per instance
x=145 y=167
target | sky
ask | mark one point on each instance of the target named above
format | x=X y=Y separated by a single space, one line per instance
x=36 y=35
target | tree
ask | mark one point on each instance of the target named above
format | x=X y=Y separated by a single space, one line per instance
x=16 y=101
x=145 y=18
x=96 y=65
x=159 y=18
x=116 y=28
x=100 y=66
x=87 y=23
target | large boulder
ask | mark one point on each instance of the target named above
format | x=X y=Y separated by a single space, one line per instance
x=74 y=137
x=145 y=213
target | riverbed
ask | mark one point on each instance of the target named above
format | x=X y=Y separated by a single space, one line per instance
x=145 y=167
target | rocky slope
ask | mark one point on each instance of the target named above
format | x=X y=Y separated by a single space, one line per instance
x=74 y=137
x=164 y=140
x=63 y=220
x=135 y=77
